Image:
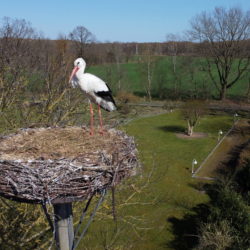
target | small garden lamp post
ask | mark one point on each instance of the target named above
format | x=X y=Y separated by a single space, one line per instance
x=194 y=162
x=235 y=117
x=219 y=134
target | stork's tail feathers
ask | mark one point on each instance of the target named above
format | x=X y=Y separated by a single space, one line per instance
x=107 y=101
x=108 y=106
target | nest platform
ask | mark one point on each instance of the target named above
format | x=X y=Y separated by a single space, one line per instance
x=62 y=165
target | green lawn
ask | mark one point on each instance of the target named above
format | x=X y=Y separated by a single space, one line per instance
x=190 y=78
x=164 y=189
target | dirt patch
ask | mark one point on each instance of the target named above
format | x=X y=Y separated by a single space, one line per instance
x=195 y=135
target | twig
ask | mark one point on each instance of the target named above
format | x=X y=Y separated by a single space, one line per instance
x=48 y=216
x=90 y=219
x=83 y=215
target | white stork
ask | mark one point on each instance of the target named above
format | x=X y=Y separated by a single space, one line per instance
x=95 y=89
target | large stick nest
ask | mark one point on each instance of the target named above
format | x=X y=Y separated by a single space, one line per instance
x=59 y=165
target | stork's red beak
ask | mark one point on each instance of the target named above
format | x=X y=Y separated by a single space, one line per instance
x=73 y=73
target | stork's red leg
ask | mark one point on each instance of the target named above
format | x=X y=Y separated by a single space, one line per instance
x=100 y=119
x=91 y=119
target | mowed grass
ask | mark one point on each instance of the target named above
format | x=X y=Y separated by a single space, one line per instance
x=162 y=190
x=169 y=159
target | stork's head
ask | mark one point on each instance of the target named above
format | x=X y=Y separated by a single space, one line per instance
x=79 y=63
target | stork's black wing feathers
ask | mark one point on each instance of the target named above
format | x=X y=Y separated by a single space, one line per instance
x=106 y=95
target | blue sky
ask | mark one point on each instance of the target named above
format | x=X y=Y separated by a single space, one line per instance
x=113 y=20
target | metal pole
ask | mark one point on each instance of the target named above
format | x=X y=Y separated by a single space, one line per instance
x=64 y=230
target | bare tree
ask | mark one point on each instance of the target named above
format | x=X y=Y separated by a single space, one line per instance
x=62 y=45
x=81 y=38
x=172 y=45
x=147 y=66
x=15 y=58
x=192 y=112
x=118 y=60
x=223 y=34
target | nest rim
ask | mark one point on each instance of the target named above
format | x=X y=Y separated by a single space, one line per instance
x=35 y=180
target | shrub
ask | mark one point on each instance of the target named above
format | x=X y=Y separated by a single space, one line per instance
x=125 y=97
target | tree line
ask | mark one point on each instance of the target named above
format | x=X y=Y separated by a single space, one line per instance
x=221 y=37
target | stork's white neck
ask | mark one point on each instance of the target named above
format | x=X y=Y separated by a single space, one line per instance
x=80 y=72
